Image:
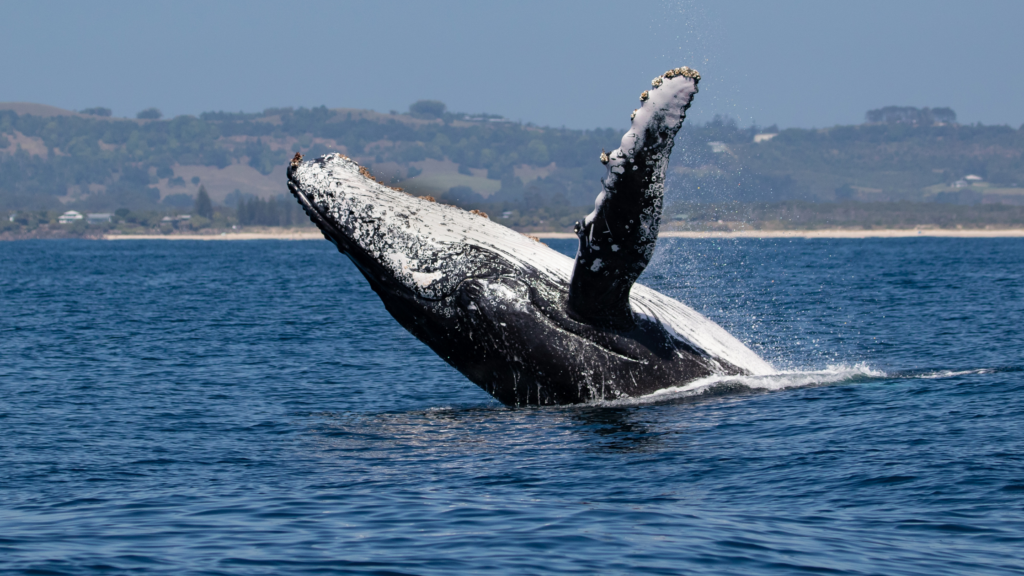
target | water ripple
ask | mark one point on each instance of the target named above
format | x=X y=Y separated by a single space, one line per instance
x=168 y=409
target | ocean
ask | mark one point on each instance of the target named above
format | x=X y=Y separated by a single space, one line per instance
x=251 y=408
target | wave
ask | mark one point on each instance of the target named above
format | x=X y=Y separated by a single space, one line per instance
x=935 y=374
x=781 y=380
x=714 y=386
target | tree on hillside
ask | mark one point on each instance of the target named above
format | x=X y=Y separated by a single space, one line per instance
x=150 y=114
x=272 y=212
x=98 y=111
x=845 y=193
x=204 y=207
x=911 y=115
x=427 y=109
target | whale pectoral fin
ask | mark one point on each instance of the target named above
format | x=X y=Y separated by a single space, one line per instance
x=617 y=239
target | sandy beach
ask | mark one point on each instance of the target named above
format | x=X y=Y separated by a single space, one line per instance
x=306 y=234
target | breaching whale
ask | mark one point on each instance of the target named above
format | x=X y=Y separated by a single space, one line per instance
x=525 y=323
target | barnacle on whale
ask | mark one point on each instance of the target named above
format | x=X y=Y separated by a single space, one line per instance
x=366 y=173
x=684 y=71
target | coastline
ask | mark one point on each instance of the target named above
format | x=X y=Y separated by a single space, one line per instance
x=836 y=233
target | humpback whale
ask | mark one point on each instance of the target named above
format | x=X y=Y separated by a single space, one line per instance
x=525 y=323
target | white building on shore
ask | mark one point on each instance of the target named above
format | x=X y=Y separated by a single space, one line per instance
x=69 y=217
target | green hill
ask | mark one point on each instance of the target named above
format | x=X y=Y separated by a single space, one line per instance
x=52 y=159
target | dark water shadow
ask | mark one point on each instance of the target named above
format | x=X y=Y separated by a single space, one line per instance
x=617 y=429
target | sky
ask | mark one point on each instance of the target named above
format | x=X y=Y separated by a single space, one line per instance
x=794 y=63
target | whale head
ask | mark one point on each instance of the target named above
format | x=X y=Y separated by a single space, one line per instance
x=407 y=247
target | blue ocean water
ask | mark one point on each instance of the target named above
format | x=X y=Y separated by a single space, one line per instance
x=251 y=408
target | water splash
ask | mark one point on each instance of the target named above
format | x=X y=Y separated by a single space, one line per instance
x=716 y=386
x=782 y=380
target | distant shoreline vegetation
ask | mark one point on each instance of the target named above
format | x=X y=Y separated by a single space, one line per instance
x=527 y=176
x=255 y=213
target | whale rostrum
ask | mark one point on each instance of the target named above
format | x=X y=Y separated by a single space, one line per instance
x=525 y=323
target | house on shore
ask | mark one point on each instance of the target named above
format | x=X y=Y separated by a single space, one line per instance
x=69 y=217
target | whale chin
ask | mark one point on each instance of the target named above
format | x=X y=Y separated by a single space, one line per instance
x=525 y=323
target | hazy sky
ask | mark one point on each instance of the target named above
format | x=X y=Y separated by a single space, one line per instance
x=578 y=64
